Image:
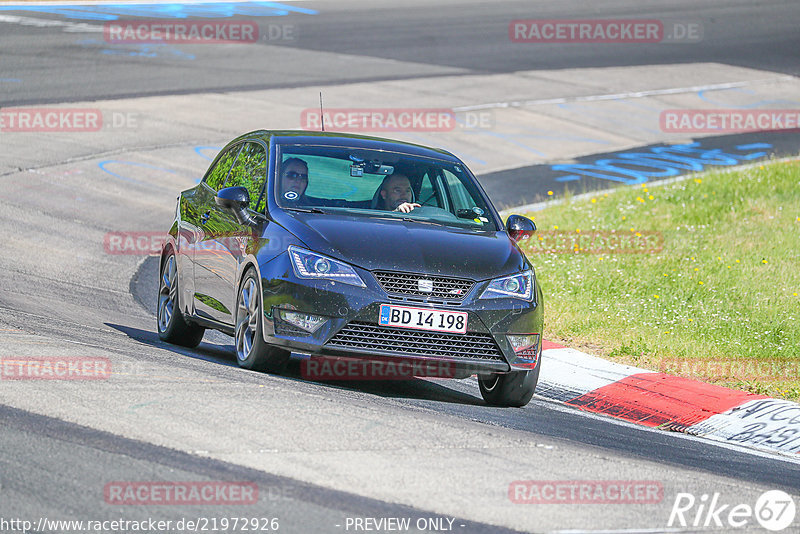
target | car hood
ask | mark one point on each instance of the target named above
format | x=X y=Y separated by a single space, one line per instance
x=410 y=246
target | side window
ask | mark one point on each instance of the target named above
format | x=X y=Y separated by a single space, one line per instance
x=250 y=171
x=217 y=176
x=461 y=197
x=427 y=193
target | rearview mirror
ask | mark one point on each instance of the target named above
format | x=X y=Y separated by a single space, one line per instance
x=519 y=227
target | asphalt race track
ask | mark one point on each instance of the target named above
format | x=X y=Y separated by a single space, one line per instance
x=322 y=455
x=417 y=39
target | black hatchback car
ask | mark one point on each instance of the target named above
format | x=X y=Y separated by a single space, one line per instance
x=347 y=247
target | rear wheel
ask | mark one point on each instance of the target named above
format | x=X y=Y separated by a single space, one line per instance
x=251 y=350
x=172 y=326
x=509 y=389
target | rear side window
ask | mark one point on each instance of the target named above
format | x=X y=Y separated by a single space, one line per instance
x=458 y=193
x=250 y=171
x=428 y=195
x=216 y=176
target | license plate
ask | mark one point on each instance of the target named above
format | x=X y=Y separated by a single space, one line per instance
x=423 y=319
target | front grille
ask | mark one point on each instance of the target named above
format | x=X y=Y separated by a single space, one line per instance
x=370 y=337
x=408 y=284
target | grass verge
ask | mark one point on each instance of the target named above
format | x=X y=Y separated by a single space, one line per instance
x=698 y=278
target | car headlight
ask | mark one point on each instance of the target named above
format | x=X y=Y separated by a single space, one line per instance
x=307 y=264
x=518 y=286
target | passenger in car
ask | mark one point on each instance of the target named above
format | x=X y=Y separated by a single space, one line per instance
x=395 y=194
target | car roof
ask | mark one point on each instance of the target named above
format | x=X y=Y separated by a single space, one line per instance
x=351 y=140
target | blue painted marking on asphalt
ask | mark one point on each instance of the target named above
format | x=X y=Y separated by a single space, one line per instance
x=140 y=53
x=10 y=80
x=753 y=145
x=199 y=151
x=472 y=159
x=666 y=161
x=149 y=51
x=758 y=104
x=754 y=155
x=702 y=94
x=136 y=50
x=103 y=164
x=764 y=103
x=169 y=10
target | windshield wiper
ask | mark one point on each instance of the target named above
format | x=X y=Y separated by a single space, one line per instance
x=306 y=210
x=422 y=221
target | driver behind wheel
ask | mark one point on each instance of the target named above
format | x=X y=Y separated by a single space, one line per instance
x=395 y=194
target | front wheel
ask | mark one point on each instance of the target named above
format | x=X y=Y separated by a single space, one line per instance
x=172 y=325
x=251 y=350
x=509 y=389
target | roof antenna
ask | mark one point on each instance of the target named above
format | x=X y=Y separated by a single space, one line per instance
x=321 y=116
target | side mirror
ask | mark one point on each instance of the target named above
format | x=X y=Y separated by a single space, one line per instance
x=519 y=227
x=235 y=199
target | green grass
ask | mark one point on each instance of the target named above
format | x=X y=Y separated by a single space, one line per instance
x=724 y=287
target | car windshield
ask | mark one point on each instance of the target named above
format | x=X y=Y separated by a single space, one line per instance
x=377 y=183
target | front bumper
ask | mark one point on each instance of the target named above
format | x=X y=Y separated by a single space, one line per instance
x=351 y=327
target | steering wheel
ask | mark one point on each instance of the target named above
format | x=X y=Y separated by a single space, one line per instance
x=432 y=211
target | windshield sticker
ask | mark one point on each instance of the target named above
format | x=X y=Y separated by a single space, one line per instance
x=290 y=195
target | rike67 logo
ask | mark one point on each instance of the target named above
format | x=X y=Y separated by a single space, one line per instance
x=774 y=510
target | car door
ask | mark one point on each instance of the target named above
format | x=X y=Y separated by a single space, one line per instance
x=204 y=223
x=218 y=254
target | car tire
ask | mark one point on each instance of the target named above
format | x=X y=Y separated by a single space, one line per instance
x=251 y=350
x=509 y=389
x=172 y=325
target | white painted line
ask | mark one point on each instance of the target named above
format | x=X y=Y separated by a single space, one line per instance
x=621 y=96
x=50 y=23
